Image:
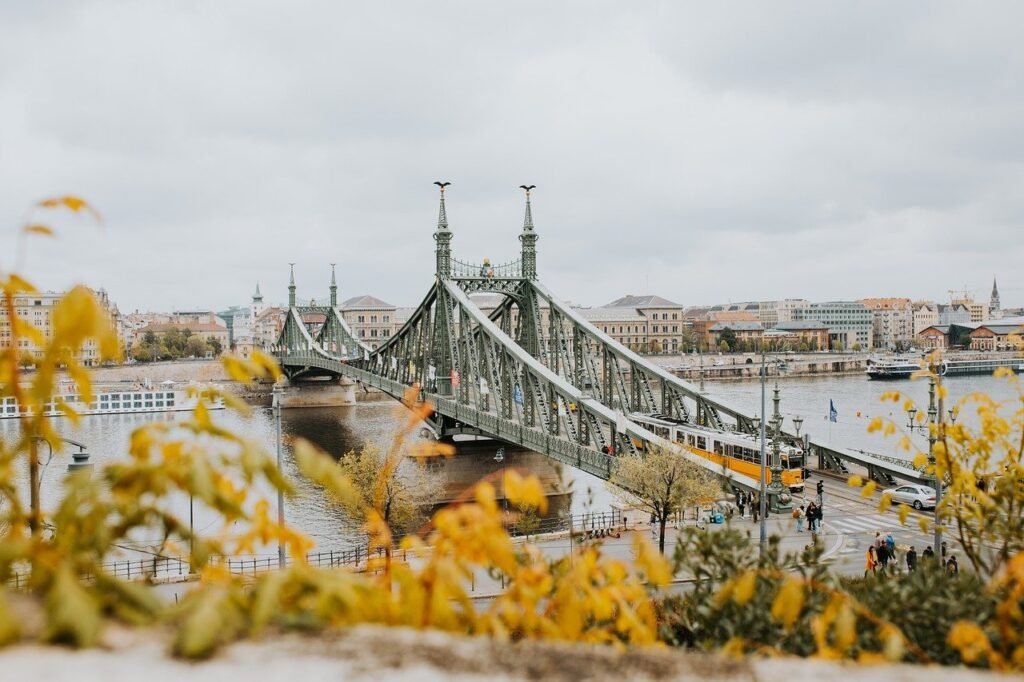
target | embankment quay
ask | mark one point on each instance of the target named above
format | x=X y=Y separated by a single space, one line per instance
x=744 y=365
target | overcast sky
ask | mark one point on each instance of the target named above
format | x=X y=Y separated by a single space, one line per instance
x=705 y=152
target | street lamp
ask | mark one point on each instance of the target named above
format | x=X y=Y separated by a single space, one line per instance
x=935 y=422
x=276 y=395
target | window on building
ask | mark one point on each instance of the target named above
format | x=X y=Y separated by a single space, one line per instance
x=373 y=319
x=361 y=318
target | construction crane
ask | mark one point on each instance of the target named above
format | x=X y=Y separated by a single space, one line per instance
x=958 y=295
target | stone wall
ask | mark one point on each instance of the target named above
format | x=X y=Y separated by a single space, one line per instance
x=403 y=655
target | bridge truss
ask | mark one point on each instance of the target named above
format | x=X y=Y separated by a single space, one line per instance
x=530 y=371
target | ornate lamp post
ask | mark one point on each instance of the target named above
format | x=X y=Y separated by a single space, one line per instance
x=776 y=490
x=276 y=395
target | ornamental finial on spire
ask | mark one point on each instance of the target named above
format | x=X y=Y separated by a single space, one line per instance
x=442 y=217
x=528 y=238
x=528 y=218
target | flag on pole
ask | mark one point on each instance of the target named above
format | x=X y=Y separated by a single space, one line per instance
x=455 y=378
x=484 y=390
x=431 y=372
x=517 y=395
x=394 y=363
x=833 y=414
x=366 y=355
x=620 y=421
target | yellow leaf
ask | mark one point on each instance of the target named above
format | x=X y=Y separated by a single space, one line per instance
x=38 y=229
x=845 y=628
x=904 y=512
x=893 y=645
x=73 y=615
x=788 y=602
x=875 y=424
x=885 y=502
x=869 y=489
x=744 y=590
x=855 y=481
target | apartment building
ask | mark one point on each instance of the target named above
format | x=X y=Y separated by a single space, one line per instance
x=892 y=324
x=38 y=309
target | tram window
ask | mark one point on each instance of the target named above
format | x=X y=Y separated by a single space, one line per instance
x=680 y=437
x=702 y=443
x=718 y=448
x=691 y=440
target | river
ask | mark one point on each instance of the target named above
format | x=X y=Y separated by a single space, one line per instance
x=342 y=429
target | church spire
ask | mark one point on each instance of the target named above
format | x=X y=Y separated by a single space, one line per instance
x=334 y=288
x=443 y=237
x=257 y=297
x=291 y=286
x=993 y=304
x=528 y=238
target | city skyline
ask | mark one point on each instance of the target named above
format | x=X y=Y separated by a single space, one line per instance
x=698 y=152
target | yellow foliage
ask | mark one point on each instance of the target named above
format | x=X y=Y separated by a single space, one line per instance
x=788 y=602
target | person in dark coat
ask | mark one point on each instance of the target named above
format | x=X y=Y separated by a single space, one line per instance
x=911 y=559
x=928 y=555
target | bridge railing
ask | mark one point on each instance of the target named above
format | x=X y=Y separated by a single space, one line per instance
x=461 y=269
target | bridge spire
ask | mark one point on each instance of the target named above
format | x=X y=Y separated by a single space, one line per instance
x=334 y=288
x=291 y=286
x=443 y=237
x=529 y=239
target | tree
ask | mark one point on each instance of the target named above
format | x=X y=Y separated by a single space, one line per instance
x=837 y=347
x=729 y=337
x=655 y=346
x=723 y=346
x=149 y=339
x=195 y=347
x=857 y=348
x=143 y=354
x=663 y=482
x=405 y=497
x=215 y=346
x=688 y=340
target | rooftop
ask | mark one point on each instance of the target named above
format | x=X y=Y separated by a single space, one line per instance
x=629 y=300
x=737 y=326
x=366 y=302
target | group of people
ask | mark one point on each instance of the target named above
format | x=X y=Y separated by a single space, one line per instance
x=812 y=513
x=882 y=552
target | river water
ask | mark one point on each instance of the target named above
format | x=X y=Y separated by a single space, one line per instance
x=341 y=429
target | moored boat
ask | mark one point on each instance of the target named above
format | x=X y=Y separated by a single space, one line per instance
x=891 y=368
x=167 y=397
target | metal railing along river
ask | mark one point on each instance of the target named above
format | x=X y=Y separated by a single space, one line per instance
x=595 y=524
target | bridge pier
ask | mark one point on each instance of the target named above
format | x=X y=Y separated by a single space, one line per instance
x=333 y=393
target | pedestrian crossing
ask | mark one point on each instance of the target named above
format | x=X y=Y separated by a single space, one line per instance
x=871 y=523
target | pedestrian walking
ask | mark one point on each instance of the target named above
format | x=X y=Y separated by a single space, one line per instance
x=882 y=552
x=870 y=562
x=952 y=567
x=928 y=555
x=890 y=546
x=755 y=507
x=943 y=551
x=741 y=502
x=799 y=514
x=911 y=559
x=812 y=517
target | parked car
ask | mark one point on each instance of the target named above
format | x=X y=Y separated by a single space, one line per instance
x=917 y=496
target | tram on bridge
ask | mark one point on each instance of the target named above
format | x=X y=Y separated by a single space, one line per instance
x=732 y=451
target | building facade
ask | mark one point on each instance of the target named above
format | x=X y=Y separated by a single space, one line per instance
x=849 y=323
x=37 y=309
x=892 y=323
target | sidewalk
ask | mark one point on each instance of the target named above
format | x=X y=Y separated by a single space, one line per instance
x=622 y=547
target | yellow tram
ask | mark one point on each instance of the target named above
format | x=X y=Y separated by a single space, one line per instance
x=739 y=452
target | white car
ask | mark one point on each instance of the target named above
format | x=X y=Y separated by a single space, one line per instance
x=917 y=496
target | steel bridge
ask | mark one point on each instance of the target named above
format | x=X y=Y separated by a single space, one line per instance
x=532 y=372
